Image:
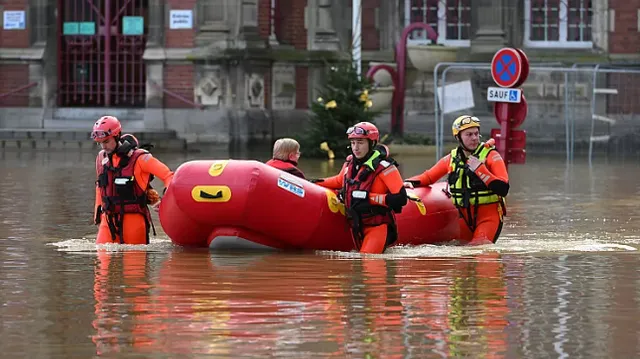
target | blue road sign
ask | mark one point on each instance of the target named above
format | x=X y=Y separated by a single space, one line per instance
x=506 y=67
x=513 y=95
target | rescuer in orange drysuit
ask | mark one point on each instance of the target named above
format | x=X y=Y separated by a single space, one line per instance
x=478 y=182
x=123 y=192
x=371 y=189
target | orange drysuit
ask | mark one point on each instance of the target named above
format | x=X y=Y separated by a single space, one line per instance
x=479 y=224
x=385 y=180
x=134 y=225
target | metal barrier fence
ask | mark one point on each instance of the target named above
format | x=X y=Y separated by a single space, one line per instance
x=592 y=106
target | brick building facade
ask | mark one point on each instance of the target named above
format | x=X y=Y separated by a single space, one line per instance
x=257 y=56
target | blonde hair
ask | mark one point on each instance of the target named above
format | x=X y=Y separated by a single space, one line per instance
x=284 y=147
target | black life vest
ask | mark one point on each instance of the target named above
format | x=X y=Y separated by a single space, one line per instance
x=120 y=192
x=358 y=180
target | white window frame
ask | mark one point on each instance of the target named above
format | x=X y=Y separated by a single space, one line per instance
x=441 y=30
x=563 y=30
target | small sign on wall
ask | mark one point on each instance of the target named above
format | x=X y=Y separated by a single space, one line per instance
x=14 y=20
x=181 y=19
x=132 y=25
x=79 y=28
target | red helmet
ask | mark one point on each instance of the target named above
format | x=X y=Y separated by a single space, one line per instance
x=364 y=130
x=105 y=128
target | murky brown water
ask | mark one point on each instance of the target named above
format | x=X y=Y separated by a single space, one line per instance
x=563 y=281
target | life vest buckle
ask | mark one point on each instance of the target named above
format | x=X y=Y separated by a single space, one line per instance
x=359 y=194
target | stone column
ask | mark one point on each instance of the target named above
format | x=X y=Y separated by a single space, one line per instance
x=154 y=114
x=154 y=57
x=155 y=18
x=600 y=25
x=42 y=54
x=320 y=28
x=390 y=25
x=487 y=25
x=212 y=22
x=249 y=19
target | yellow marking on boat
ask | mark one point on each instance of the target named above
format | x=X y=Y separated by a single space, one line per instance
x=217 y=167
x=211 y=193
x=334 y=203
x=415 y=199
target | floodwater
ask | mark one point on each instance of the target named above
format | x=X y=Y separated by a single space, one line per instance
x=563 y=280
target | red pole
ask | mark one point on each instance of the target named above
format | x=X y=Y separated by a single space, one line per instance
x=107 y=52
x=505 y=130
x=397 y=104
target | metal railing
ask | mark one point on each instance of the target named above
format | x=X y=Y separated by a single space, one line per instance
x=177 y=96
x=18 y=89
x=561 y=100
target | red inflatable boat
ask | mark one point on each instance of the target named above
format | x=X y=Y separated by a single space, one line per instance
x=240 y=204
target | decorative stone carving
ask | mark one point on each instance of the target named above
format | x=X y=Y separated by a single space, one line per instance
x=283 y=87
x=255 y=90
x=208 y=91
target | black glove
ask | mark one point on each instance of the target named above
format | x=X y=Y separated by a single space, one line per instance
x=98 y=218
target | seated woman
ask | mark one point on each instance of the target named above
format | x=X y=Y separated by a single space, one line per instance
x=286 y=153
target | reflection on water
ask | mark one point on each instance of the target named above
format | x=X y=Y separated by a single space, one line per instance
x=232 y=306
x=562 y=281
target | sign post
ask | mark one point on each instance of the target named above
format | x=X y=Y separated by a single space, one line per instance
x=509 y=70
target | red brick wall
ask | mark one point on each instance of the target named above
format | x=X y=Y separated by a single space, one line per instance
x=626 y=38
x=178 y=79
x=180 y=37
x=626 y=101
x=264 y=18
x=290 y=23
x=13 y=77
x=302 y=87
x=15 y=38
x=370 y=35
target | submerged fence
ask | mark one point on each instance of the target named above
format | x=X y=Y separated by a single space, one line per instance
x=588 y=108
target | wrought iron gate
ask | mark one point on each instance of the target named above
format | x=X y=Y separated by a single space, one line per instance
x=100 y=65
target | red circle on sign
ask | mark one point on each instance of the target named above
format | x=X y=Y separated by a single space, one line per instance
x=525 y=68
x=514 y=112
x=506 y=67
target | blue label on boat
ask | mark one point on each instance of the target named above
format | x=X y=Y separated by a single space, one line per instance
x=297 y=190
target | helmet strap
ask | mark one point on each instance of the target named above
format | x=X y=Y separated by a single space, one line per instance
x=372 y=146
x=462 y=144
